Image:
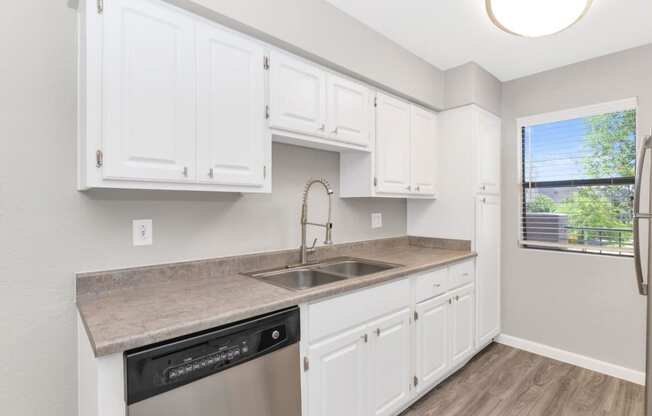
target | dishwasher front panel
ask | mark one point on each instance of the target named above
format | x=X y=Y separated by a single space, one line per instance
x=266 y=386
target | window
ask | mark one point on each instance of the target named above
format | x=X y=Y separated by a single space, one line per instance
x=577 y=179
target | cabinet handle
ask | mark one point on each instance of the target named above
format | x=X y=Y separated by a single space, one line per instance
x=409 y=188
x=211 y=173
x=418 y=188
x=378 y=332
x=457 y=298
x=450 y=301
x=185 y=171
x=322 y=128
x=483 y=187
x=336 y=131
x=437 y=285
x=365 y=337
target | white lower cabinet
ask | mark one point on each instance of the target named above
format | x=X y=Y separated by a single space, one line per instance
x=432 y=341
x=374 y=351
x=389 y=363
x=337 y=377
x=462 y=325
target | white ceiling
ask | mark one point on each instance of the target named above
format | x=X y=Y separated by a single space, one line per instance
x=448 y=33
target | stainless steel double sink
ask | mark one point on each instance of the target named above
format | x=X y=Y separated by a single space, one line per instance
x=303 y=277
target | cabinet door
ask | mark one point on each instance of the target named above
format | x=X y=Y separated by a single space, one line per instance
x=392 y=145
x=337 y=377
x=297 y=95
x=423 y=156
x=432 y=341
x=488 y=267
x=349 y=111
x=488 y=153
x=389 y=363
x=232 y=143
x=148 y=92
x=462 y=325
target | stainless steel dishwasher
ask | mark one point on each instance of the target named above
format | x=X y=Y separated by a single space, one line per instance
x=245 y=369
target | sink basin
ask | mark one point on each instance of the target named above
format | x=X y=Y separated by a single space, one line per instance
x=329 y=271
x=300 y=279
x=355 y=268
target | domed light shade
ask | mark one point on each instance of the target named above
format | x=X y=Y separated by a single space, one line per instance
x=534 y=18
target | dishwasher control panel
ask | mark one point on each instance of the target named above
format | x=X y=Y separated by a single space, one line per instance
x=159 y=368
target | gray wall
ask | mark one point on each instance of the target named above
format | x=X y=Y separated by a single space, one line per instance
x=49 y=231
x=320 y=31
x=585 y=304
x=472 y=84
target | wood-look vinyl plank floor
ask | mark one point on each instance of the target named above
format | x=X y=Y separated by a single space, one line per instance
x=503 y=381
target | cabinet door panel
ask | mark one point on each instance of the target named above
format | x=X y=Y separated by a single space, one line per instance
x=349 y=111
x=392 y=145
x=337 y=377
x=462 y=326
x=488 y=153
x=148 y=92
x=488 y=272
x=298 y=95
x=389 y=363
x=432 y=341
x=232 y=143
x=423 y=151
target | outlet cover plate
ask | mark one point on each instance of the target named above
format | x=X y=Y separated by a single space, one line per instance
x=376 y=220
x=142 y=232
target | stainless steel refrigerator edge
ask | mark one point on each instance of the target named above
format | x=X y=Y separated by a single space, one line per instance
x=640 y=279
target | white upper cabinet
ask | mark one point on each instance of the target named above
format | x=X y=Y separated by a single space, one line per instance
x=350 y=111
x=423 y=150
x=169 y=100
x=318 y=108
x=148 y=105
x=392 y=145
x=232 y=142
x=389 y=363
x=488 y=153
x=297 y=95
x=488 y=276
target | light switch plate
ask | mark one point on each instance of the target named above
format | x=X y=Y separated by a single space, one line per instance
x=376 y=220
x=142 y=232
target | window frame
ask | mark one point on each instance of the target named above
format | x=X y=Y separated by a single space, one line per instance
x=558 y=116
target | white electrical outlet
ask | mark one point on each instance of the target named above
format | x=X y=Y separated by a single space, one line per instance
x=142 y=232
x=376 y=220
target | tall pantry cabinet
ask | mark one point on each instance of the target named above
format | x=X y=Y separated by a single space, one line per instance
x=468 y=207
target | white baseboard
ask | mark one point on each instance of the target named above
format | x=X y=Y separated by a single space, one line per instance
x=583 y=361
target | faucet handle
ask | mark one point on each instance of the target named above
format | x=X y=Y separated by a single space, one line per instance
x=314 y=243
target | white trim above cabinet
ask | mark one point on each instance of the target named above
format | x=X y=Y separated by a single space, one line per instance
x=170 y=100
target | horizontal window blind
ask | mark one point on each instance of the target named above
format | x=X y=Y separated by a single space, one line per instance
x=578 y=183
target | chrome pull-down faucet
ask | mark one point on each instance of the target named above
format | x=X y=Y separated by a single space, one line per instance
x=328 y=226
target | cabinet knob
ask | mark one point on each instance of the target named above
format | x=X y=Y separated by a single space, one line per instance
x=322 y=128
x=409 y=188
x=418 y=188
x=211 y=173
x=337 y=130
x=483 y=187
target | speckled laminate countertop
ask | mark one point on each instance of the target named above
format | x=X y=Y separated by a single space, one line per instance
x=136 y=307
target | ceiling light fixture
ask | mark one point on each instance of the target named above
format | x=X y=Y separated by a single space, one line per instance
x=535 y=18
